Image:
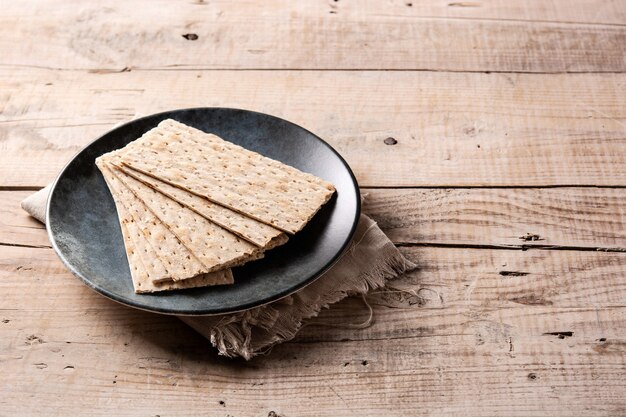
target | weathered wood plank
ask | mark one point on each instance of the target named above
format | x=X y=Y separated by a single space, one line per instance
x=599 y=12
x=583 y=218
x=493 y=279
x=514 y=129
x=459 y=277
x=575 y=11
x=572 y=217
x=425 y=376
x=409 y=376
x=474 y=347
x=312 y=35
x=16 y=226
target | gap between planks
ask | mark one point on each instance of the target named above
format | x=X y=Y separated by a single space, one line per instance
x=522 y=247
x=174 y=68
x=402 y=187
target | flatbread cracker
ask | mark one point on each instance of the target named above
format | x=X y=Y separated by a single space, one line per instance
x=146 y=267
x=179 y=261
x=136 y=245
x=215 y=247
x=229 y=175
x=141 y=275
x=256 y=232
x=260 y=234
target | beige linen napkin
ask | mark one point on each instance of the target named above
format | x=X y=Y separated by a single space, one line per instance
x=370 y=260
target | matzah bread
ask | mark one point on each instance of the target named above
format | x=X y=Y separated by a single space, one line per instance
x=145 y=266
x=191 y=205
x=215 y=247
x=140 y=274
x=260 y=234
x=227 y=174
x=179 y=262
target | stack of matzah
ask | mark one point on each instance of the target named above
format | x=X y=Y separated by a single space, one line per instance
x=192 y=205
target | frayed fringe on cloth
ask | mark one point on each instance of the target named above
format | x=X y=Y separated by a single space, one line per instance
x=368 y=264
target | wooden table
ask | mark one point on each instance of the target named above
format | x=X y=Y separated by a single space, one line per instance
x=489 y=135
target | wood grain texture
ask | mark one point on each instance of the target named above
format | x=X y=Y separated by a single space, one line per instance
x=471 y=331
x=451 y=129
x=516 y=307
x=610 y=12
x=16 y=226
x=446 y=277
x=312 y=35
x=575 y=218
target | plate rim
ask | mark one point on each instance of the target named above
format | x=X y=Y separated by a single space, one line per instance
x=204 y=312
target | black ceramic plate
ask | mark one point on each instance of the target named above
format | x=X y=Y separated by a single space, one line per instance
x=84 y=230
